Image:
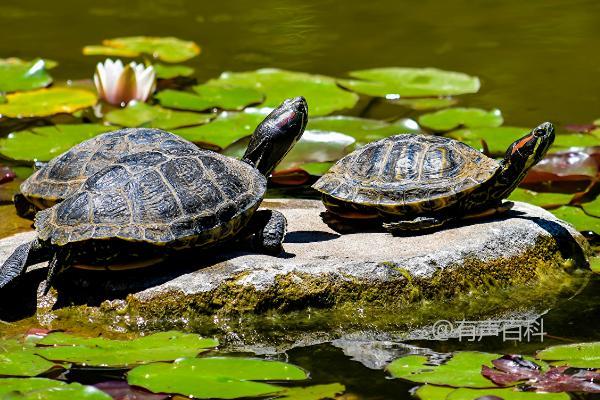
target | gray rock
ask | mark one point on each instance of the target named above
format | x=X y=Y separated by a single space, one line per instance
x=365 y=276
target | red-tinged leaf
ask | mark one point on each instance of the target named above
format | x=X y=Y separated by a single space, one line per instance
x=290 y=177
x=568 y=163
x=6 y=175
x=120 y=390
x=511 y=369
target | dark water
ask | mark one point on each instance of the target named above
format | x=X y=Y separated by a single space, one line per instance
x=538 y=60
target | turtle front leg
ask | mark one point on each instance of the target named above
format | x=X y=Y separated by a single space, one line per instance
x=420 y=223
x=270 y=228
x=60 y=261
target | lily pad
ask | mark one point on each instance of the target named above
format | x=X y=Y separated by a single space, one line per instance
x=227 y=128
x=24 y=363
x=316 y=168
x=396 y=82
x=495 y=140
x=546 y=200
x=462 y=370
x=595 y=264
x=17 y=74
x=45 y=143
x=577 y=139
x=579 y=219
x=322 y=93
x=430 y=392
x=362 y=129
x=210 y=96
x=428 y=103
x=218 y=377
x=169 y=49
x=47 y=389
x=142 y=114
x=164 y=71
x=592 y=208
x=317 y=146
x=46 y=102
x=317 y=392
x=163 y=346
x=452 y=118
x=582 y=355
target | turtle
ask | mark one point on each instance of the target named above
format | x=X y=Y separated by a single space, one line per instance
x=174 y=196
x=62 y=176
x=417 y=182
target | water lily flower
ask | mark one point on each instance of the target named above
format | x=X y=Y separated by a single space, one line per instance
x=118 y=84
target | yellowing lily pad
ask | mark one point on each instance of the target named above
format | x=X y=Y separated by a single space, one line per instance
x=322 y=93
x=164 y=71
x=395 y=82
x=208 y=96
x=581 y=355
x=47 y=389
x=452 y=118
x=546 y=200
x=462 y=370
x=144 y=115
x=46 y=102
x=495 y=140
x=45 y=143
x=222 y=377
x=163 y=346
x=97 y=50
x=579 y=219
x=169 y=49
x=17 y=74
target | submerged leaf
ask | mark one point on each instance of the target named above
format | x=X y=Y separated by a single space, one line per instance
x=452 y=118
x=142 y=114
x=395 y=82
x=46 y=102
x=169 y=49
x=17 y=74
x=172 y=71
x=321 y=92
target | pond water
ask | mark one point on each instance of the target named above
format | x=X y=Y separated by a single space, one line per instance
x=537 y=61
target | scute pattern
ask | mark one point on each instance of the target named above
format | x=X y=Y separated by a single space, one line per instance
x=178 y=199
x=407 y=171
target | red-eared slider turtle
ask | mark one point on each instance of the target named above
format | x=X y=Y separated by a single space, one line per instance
x=172 y=197
x=416 y=182
x=63 y=175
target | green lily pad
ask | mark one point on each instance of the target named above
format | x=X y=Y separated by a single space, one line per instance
x=316 y=168
x=428 y=103
x=45 y=143
x=169 y=49
x=317 y=146
x=221 y=377
x=497 y=139
x=321 y=92
x=47 y=389
x=17 y=74
x=579 y=219
x=547 y=200
x=452 y=118
x=142 y=114
x=227 y=128
x=395 y=82
x=24 y=363
x=582 y=355
x=595 y=264
x=172 y=71
x=46 y=102
x=163 y=346
x=462 y=370
x=316 y=392
x=592 y=208
x=577 y=140
x=362 y=129
x=210 y=96
x=432 y=392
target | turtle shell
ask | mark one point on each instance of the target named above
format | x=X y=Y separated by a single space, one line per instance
x=65 y=174
x=176 y=195
x=406 y=172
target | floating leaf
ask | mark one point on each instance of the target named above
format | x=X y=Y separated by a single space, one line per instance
x=227 y=128
x=397 y=82
x=46 y=102
x=592 y=208
x=317 y=392
x=317 y=168
x=23 y=363
x=452 y=118
x=46 y=389
x=579 y=219
x=169 y=49
x=317 y=146
x=172 y=71
x=431 y=103
x=546 y=200
x=45 y=143
x=17 y=74
x=321 y=92
x=362 y=129
x=582 y=355
x=577 y=140
x=163 y=346
x=462 y=370
x=142 y=114
x=595 y=264
x=568 y=166
x=496 y=139
x=225 y=378
x=210 y=96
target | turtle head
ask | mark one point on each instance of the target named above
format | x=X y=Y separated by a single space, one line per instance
x=531 y=148
x=276 y=135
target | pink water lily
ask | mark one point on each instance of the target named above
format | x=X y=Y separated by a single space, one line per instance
x=118 y=84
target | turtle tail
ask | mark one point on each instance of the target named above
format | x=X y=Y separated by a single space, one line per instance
x=26 y=254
